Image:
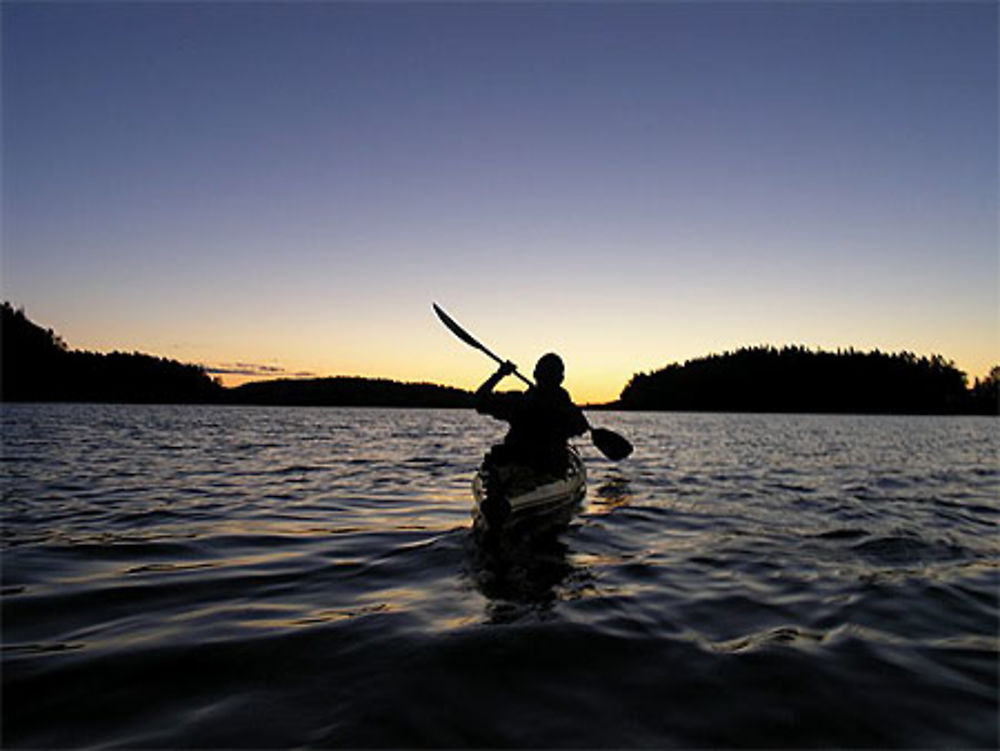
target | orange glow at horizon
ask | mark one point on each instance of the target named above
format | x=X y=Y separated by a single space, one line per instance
x=397 y=336
x=588 y=383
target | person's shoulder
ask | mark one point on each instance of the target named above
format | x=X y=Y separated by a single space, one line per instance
x=565 y=397
x=559 y=398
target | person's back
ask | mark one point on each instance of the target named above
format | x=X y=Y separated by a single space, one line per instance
x=541 y=419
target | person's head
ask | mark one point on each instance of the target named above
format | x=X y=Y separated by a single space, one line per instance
x=549 y=371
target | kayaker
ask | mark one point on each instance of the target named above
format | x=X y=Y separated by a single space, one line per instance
x=541 y=418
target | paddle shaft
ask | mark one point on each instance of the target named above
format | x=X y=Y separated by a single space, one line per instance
x=469 y=339
x=502 y=361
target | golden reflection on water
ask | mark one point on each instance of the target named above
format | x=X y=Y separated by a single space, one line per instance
x=613 y=492
x=319 y=616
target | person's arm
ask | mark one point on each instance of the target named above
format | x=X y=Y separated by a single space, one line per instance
x=578 y=421
x=484 y=392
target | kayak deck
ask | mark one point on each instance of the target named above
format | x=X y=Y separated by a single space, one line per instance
x=510 y=494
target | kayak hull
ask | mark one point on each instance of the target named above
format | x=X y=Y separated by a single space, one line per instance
x=512 y=496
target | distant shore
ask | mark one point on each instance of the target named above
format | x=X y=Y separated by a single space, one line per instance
x=38 y=366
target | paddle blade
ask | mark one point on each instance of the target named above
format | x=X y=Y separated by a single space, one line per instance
x=609 y=443
x=457 y=330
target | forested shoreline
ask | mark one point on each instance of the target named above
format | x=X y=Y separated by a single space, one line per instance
x=797 y=379
x=37 y=365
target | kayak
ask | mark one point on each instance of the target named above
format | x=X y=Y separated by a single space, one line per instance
x=509 y=495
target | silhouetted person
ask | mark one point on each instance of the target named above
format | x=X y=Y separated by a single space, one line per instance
x=541 y=418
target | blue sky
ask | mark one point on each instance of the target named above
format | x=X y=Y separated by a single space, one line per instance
x=292 y=184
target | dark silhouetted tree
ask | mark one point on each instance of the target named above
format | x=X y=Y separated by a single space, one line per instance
x=345 y=391
x=984 y=396
x=38 y=366
x=796 y=379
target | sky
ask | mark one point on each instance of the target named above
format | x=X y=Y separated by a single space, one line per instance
x=285 y=188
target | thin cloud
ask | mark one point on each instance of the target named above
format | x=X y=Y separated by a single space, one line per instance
x=255 y=369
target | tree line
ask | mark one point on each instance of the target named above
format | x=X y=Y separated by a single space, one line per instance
x=346 y=391
x=797 y=379
x=37 y=365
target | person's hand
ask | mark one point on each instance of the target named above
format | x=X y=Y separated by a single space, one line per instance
x=506 y=369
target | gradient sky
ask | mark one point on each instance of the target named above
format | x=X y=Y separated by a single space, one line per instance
x=291 y=185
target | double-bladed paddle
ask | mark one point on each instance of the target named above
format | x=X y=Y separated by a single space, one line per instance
x=608 y=442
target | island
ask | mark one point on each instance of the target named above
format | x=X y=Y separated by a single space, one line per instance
x=797 y=379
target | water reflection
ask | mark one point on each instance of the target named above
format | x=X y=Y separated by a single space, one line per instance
x=613 y=492
x=520 y=576
x=521 y=568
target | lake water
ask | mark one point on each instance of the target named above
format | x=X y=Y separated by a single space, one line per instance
x=268 y=577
